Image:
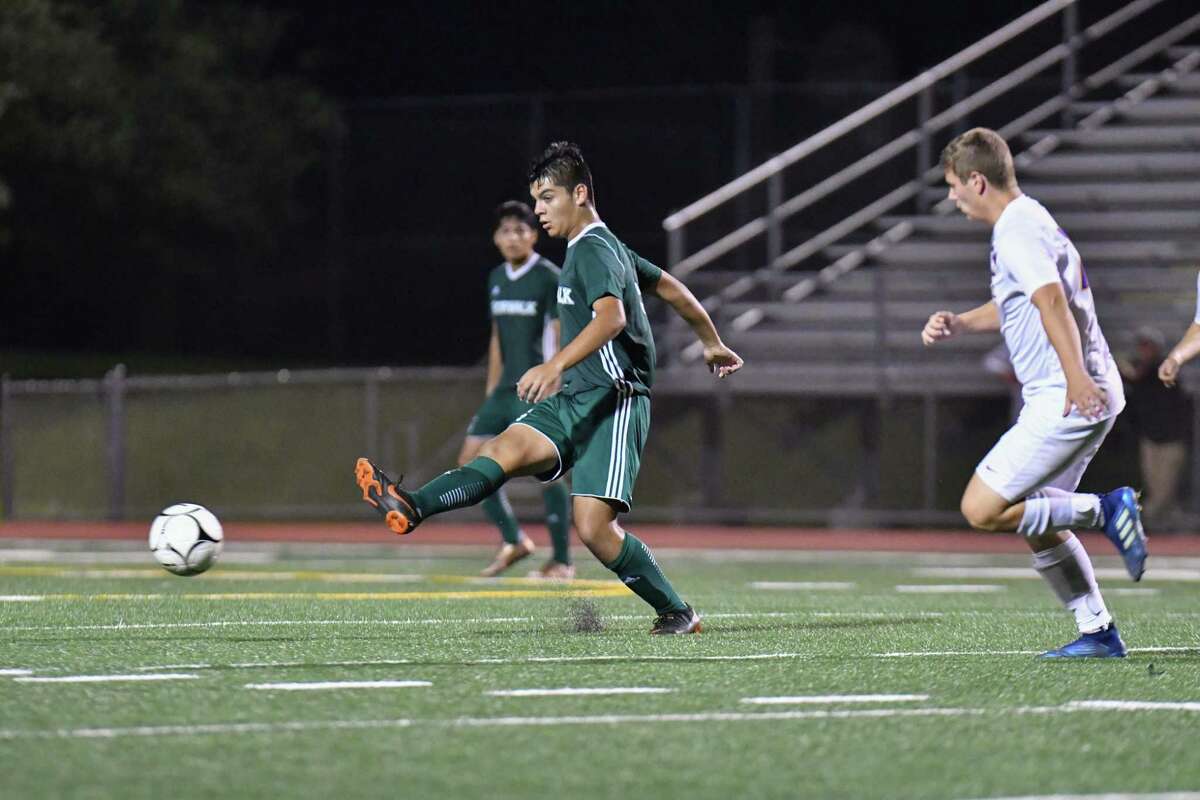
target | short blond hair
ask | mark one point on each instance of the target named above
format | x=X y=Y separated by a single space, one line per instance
x=980 y=150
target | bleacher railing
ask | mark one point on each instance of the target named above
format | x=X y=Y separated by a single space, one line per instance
x=919 y=140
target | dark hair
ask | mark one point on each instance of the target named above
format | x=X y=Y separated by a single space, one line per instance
x=515 y=209
x=562 y=164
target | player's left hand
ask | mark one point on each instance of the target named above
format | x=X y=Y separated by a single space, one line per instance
x=539 y=382
x=721 y=360
x=1086 y=396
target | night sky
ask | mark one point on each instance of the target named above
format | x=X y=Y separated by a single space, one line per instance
x=437 y=133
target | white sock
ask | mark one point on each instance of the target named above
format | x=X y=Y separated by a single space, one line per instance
x=1051 y=509
x=1068 y=570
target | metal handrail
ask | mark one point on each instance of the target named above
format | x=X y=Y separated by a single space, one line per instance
x=864 y=114
x=1071 y=91
x=921 y=85
x=897 y=233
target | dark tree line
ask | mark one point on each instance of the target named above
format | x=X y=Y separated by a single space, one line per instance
x=162 y=176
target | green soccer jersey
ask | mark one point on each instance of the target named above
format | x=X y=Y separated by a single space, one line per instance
x=522 y=306
x=598 y=264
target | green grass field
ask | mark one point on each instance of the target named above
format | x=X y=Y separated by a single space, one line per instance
x=976 y=716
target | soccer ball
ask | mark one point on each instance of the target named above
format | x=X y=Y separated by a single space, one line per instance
x=186 y=538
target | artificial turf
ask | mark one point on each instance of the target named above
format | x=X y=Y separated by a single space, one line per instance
x=996 y=722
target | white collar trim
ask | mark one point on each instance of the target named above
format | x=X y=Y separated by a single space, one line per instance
x=515 y=273
x=582 y=233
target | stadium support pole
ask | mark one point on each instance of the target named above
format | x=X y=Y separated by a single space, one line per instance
x=6 y=454
x=743 y=133
x=1194 y=499
x=930 y=447
x=924 y=145
x=774 y=222
x=1070 y=64
x=115 y=385
x=371 y=414
x=712 y=466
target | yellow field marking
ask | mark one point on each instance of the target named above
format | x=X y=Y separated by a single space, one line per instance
x=486 y=594
x=296 y=575
x=119 y=573
x=471 y=579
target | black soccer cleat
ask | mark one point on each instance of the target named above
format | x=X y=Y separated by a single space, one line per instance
x=683 y=621
x=395 y=505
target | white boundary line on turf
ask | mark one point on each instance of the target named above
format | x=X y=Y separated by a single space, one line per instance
x=933 y=653
x=319 y=685
x=950 y=588
x=607 y=719
x=174 y=676
x=570 y=691
x=803 y=586
x=1135 y=705
x=624 y=657
x=823 y=699
x=1107 y=796
x=16 y=672
x=123 y=626
x=1027 y=573
x=202 y=730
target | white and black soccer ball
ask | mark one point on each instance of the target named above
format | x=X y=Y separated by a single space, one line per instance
x=186 y=538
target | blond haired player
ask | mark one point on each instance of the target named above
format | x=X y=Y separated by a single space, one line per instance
x=1042 y=305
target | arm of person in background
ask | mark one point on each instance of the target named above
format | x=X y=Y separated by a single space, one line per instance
x=1180 y=354
x=720 y=359
x=943 y=325
x=495 y=361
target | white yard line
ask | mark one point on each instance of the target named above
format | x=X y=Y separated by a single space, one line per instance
x=803 y=586
x=206 y=730
x=1154 y=573
x=830 y=699
x=623 y=657
x=319 y=685
x=569 y=691
x=605 y=719
x=937 y=653
x=21 y=598
x=16 y=672
x=1134 y=705
x=1125 y=591
x=174 y=676
x=950 y=588
x=123 y=626
x=1108 y=796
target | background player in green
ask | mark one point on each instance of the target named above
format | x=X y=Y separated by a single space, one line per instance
x=521 y=297
x=598 y=422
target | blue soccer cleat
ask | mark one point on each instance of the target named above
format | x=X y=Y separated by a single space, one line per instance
x=1123 y=527
x=1101 y=644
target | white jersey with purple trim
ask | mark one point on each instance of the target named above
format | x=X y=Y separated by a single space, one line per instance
x=1197 y=319
x=1029 y=251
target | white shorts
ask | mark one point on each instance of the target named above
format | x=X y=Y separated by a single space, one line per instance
x=1044 y=448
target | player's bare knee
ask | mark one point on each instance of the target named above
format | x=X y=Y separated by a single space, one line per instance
x=979 y=516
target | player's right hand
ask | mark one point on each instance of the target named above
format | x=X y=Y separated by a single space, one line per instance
x=1168 y=371
x=941 y=325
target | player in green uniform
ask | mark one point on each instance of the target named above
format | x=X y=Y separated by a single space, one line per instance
x=521 y=295
x=593 y=396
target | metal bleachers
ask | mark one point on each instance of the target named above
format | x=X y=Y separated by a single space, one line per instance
x=1122 y=177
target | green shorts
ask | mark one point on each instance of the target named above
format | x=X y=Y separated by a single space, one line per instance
x=499 y=410
x=600 y=434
